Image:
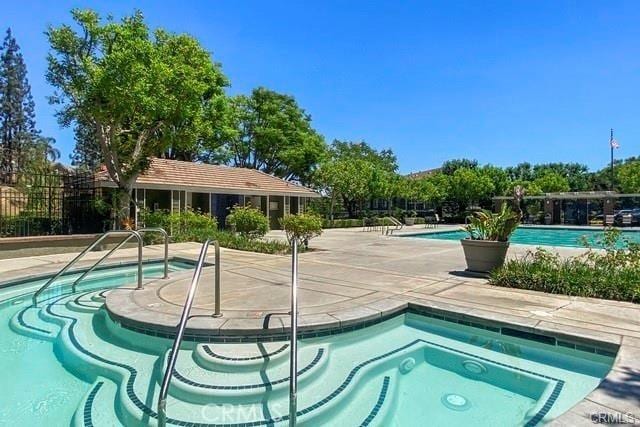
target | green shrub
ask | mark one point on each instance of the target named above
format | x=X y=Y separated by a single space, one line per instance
x=190 y=226
x=613 y=273
x=248 y=221
x=301 y=227
x=341 y=223
x=184 y=226
x=240 y=242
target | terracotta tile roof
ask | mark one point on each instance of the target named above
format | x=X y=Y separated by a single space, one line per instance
x=173 y=174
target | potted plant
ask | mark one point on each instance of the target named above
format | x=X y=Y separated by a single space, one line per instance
x=410 y=217
x=486 y=247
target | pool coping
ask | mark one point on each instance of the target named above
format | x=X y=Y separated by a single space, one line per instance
x=413 y=234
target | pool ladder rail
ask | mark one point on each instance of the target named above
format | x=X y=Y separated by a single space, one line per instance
x=184 y=318
x=128 y=234
x=395 y=223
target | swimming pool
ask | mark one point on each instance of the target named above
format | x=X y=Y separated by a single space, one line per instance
x=70 y=364
x=538 y=236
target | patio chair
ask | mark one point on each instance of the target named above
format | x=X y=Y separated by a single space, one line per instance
x=609 y=220
x=627 y=220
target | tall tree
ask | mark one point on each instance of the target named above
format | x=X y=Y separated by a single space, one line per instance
x=628 y=177
x=469 y=186
x=551 y=182
x=274 y=135
x=450 y=166
x=140 y=92
x=18 y=134
x=356 y=172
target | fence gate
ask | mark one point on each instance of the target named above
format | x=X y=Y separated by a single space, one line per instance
x=38 y=203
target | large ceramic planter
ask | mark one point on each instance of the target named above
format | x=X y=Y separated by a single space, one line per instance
x=484 y=256
x=409 y=220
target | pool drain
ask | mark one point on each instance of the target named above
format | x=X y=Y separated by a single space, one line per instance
x=455 y=402
x=474 y=367
x=407 y=365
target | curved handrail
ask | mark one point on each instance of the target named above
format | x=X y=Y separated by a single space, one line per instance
x=124 y=242
x=293 y=344
x=396 y=223
x=87 y=250
x=184 y=318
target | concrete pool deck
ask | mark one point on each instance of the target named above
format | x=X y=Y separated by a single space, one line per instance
x=353 y=276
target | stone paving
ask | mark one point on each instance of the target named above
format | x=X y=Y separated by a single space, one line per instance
x=352 y=276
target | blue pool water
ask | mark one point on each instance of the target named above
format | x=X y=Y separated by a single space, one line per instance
x=67 y=363
x=539 y=236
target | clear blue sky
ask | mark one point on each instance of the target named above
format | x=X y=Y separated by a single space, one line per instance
x=501 y=82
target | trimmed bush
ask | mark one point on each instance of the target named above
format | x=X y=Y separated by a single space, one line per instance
x=190 y=226
x=341 y=223
x=248 y=221
x=185 y=226
x=302 y=227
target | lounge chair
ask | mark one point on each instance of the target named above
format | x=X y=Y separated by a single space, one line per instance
x=609 y=220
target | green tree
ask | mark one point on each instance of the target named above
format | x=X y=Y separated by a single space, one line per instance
x=274 y=135
x=433 y=188
x=141 y=92
x=530 y=188
x=576 y=174
x=628 y=177
x=499 y=177
x=20 y=142
x=551 y=182
x=520 y=172
x=450 y=166
x=355 y=173
x=468 y=186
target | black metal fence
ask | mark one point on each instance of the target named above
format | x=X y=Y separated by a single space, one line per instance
x=37 y=203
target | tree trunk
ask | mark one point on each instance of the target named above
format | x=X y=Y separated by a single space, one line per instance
x=121 y=207
x=331 y=207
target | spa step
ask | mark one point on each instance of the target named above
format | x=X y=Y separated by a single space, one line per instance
x=96 y=409
x=83 y=302
x=136 y=401
x=193 y=383
x=241 y=357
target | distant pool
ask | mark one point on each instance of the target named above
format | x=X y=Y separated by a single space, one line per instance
x=539 y=236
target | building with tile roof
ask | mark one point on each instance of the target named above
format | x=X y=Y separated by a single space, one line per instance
x=175 y=185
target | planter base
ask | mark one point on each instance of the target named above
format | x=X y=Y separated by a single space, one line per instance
x=484 y=256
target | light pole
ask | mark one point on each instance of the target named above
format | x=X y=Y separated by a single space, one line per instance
x=613 y=144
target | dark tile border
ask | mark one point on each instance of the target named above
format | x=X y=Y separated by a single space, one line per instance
x=88 y=404
x=267 y=335
x=265 y=385
x=379 y=403
x=207 y=349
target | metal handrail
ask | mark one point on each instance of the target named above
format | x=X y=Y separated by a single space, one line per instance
x=397 y=224
x=124 y=242
x=95 y=243
x=293 y=344
x=184 y=318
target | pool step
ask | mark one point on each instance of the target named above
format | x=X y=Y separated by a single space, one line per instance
x=96 y=409
x=193 y=383
x=241 y=357
x=27 y=322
